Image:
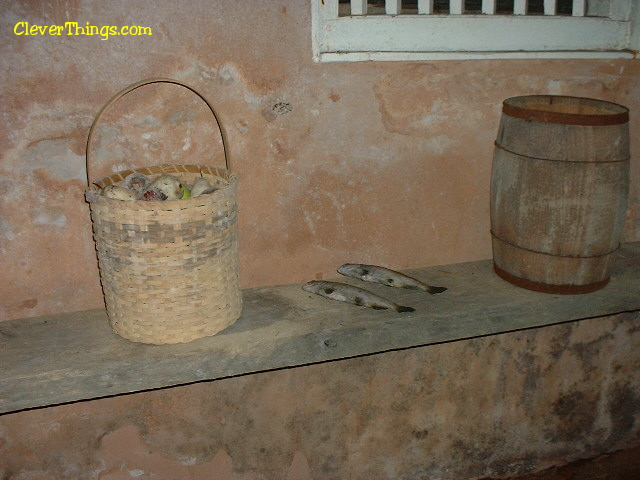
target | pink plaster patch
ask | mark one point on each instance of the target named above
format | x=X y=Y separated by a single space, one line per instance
x=126 y=456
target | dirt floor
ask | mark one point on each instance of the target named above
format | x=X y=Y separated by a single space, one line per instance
x=621 y=465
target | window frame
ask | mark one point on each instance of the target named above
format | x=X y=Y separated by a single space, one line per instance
x=457 y=37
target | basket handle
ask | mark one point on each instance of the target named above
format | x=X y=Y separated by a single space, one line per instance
x=139 y=84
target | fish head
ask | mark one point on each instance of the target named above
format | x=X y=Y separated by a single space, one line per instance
x=118 y=193
x=311 y=286
x=137 y=182
x=352 y=270
x=169 y=185
x=320 y=287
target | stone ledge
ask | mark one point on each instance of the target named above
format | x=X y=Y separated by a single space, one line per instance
x=71 y=357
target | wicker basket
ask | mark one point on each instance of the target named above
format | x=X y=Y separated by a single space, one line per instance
x=170 y=269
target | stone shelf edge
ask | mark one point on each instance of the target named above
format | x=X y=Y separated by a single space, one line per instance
x=71 y=357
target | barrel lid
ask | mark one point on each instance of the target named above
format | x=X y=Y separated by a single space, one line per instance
x=566 y=110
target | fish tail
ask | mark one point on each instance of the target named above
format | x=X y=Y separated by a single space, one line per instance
x=436 y=290
x=402 y=309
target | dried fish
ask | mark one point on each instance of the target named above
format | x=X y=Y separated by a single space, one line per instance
x=137 y=182
x=168 y=185
x=385 y=276
x=342 y=292
x=119 y=193
x=199 y=186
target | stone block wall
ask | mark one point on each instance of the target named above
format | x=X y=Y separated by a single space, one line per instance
x=489 y=407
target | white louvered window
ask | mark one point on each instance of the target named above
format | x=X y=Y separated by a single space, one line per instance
x=361 y=30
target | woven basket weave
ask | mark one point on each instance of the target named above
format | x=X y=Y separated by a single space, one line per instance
x=169 y=269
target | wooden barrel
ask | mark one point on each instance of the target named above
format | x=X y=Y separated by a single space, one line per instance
x=559 y=189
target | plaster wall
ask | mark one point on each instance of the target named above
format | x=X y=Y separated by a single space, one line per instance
x=385 y=163
x=494 y=407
